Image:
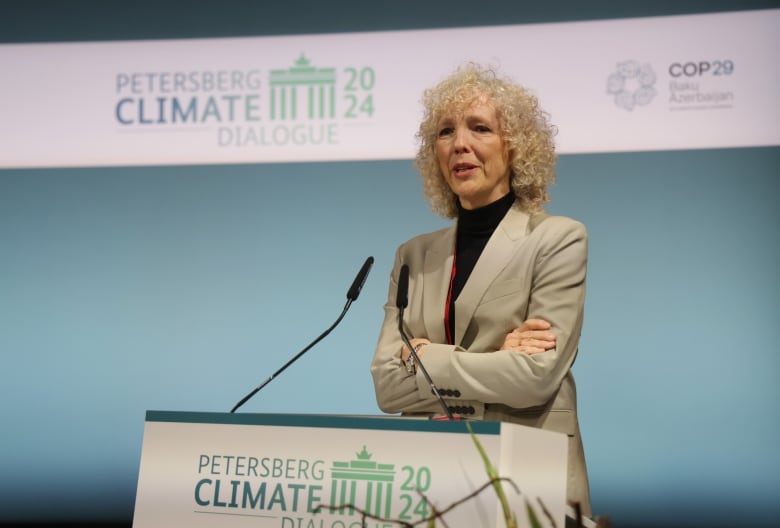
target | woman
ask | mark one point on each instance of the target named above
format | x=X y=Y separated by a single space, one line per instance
x=496 y=300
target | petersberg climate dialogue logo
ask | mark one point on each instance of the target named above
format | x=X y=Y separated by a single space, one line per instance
x=300 y=105
x=288 y=491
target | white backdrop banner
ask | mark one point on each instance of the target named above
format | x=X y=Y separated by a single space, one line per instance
x=661 y=83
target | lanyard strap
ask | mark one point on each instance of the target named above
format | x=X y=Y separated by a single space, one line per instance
x=448 y=312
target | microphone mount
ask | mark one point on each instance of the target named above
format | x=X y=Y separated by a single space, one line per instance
x=402 y=300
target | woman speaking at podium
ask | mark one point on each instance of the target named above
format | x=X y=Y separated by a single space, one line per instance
x=495 y=301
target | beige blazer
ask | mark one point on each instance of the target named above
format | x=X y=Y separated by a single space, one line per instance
x=533 y=266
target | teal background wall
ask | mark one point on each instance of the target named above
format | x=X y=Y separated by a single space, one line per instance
x=181 y=288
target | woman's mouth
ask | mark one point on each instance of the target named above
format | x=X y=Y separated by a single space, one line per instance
x=463 y=169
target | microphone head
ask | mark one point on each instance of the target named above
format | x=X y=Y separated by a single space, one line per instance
x=360 y=279
x=402 y=296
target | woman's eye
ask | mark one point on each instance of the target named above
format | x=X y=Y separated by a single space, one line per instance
x=482 y=128
x=446 y=131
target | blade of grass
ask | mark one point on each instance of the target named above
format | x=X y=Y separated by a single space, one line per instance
x=509 y=516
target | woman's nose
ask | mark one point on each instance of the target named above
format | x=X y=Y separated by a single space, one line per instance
x=460 y=140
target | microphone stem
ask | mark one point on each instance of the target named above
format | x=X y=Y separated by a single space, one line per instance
x=417 y=361
x=294 y=359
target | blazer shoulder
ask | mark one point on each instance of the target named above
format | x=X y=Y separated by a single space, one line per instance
x=544 y=223
x=425 y=239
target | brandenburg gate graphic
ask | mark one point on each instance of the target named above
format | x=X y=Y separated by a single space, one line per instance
x=318 y=86
x=376 y=481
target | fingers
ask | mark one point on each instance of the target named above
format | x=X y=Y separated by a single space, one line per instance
x=529 y=350
x=543 y=338
x=418 y=343
x=534 y=324
x=544 y=342
x=531 y=337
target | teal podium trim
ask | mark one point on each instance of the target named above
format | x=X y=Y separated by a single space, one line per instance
x=388 y=423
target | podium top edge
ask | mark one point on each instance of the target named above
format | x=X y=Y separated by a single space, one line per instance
x=390 y=423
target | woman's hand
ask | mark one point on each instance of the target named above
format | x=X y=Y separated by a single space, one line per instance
x=531 y=337
x=419 y=345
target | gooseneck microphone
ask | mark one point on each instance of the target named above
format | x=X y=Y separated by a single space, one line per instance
x=352 y=295
x=401 y=301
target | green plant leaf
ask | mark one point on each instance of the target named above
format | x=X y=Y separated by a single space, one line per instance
x=509 y=516
x=532 y=518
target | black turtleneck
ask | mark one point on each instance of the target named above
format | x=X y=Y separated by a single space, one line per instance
x=475 y=227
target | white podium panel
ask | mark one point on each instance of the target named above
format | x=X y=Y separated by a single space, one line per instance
x=261 y=470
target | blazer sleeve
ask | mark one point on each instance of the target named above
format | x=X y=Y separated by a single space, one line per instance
x=396 y=389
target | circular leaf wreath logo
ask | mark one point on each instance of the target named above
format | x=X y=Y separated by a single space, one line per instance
x=632 y=84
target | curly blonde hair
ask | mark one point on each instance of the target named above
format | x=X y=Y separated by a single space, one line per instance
x=524 y=128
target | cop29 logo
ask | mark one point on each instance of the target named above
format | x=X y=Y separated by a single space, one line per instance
x=692 y=85
x=702 y=84
x=701 y=68
x=632 y=84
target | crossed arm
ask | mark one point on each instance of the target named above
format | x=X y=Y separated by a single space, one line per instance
x=531 y=337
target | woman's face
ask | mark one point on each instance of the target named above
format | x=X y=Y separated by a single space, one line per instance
x=472 y=154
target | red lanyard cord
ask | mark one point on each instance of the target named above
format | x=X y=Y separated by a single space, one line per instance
x=447 y=314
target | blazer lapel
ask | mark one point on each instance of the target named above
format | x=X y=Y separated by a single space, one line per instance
x=497 y=254
x=437 y=270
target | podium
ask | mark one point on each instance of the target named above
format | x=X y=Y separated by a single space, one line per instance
x=273 y=470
